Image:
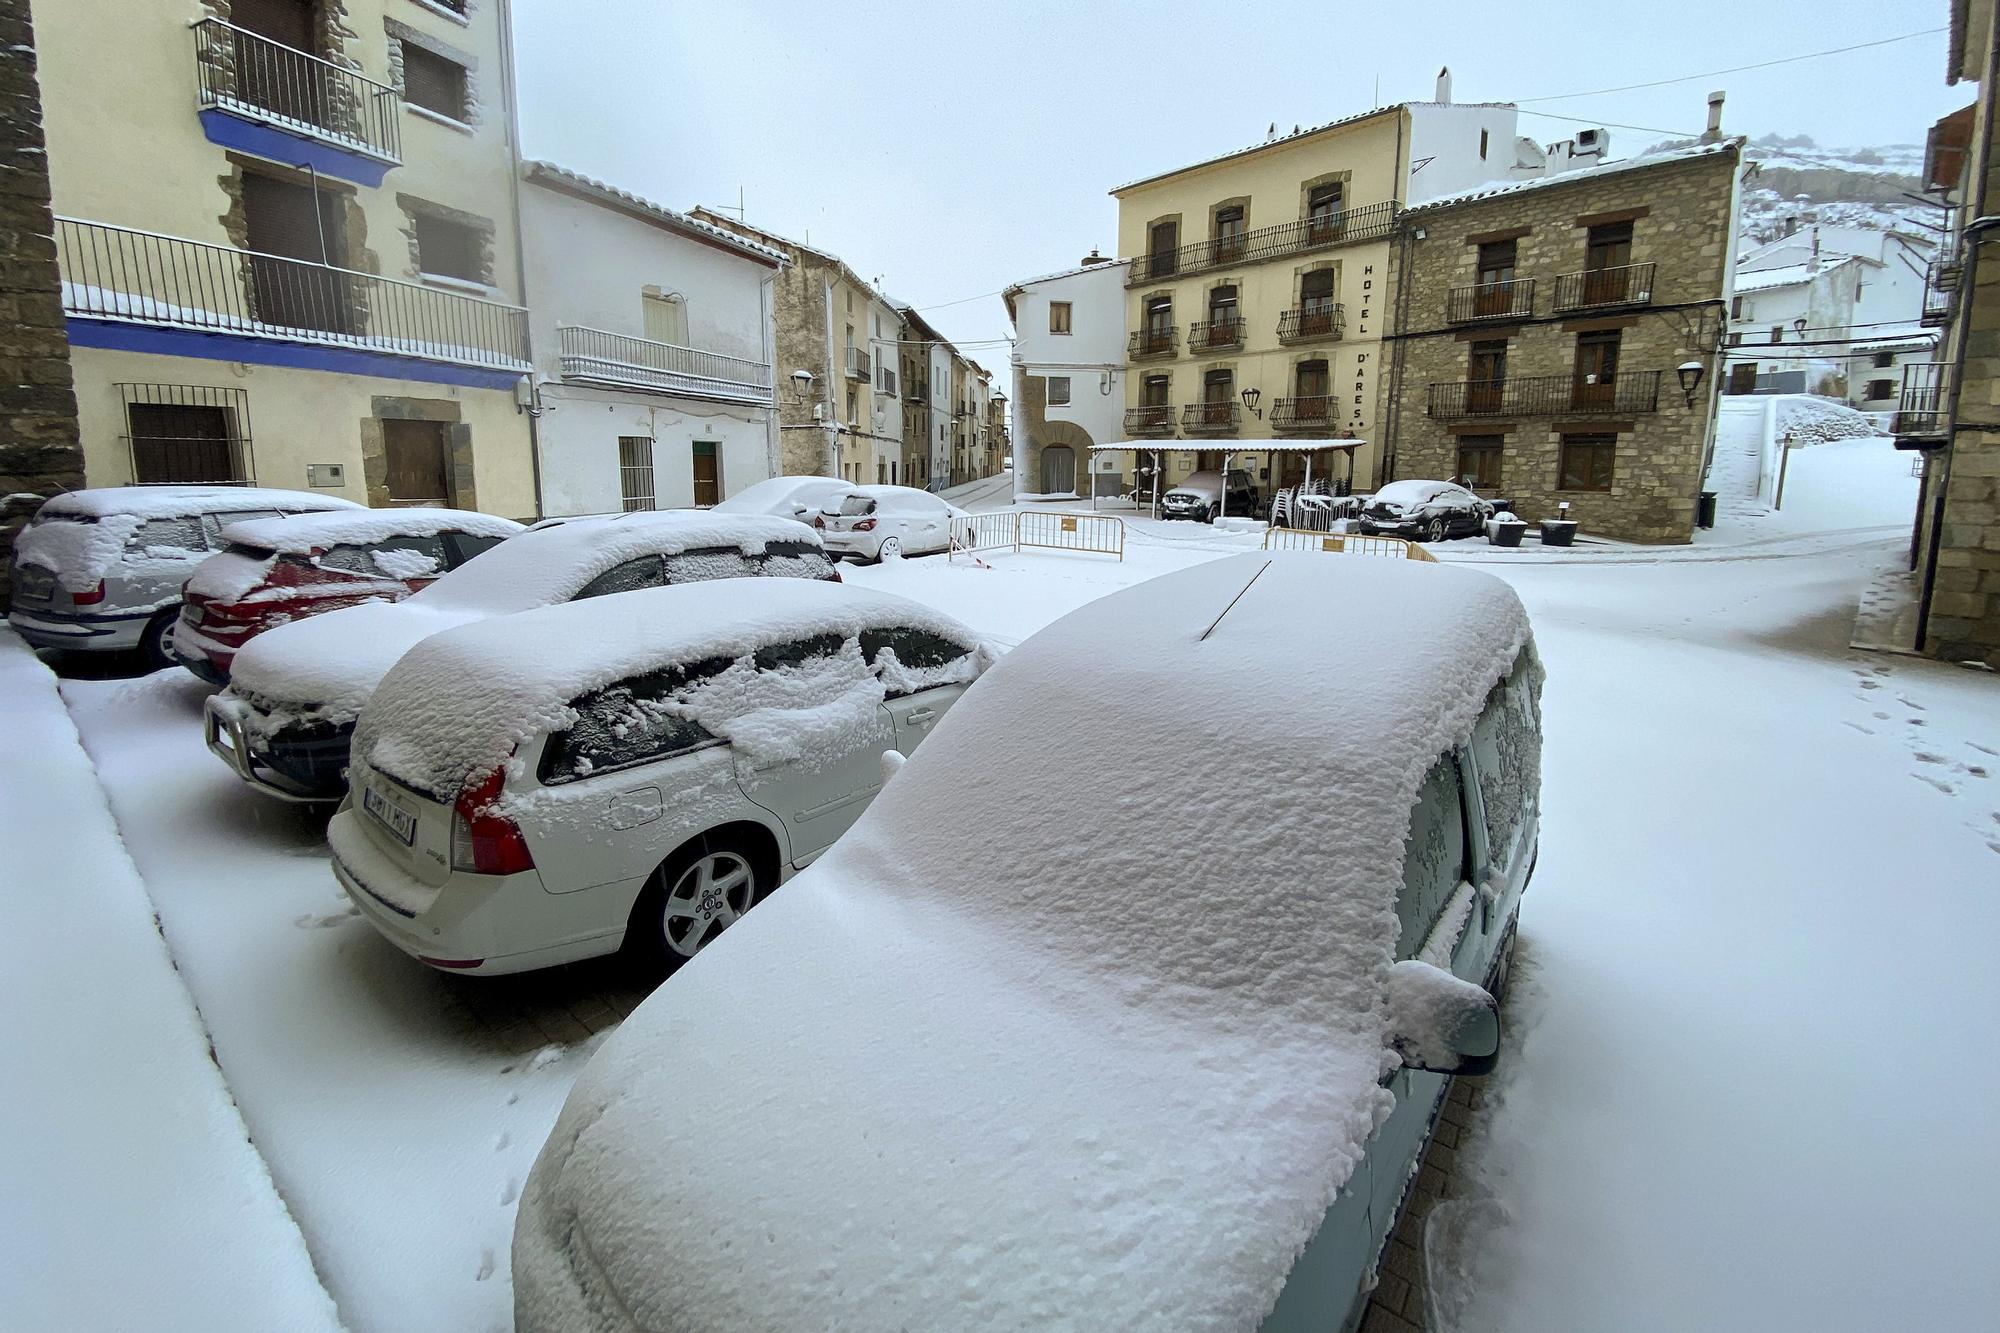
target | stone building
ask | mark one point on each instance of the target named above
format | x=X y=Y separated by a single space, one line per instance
x=1540 y=331
x=39 y=451
x=1069 y=373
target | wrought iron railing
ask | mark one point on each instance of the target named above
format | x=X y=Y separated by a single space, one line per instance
x=1512 y=299
x=1153 y=419
x=1924 y=405
x=1368 y=223
x=141 y=277
x=1308 y=410
x=247 y=75
x=1204 y=418
x=1594 y=288
x=885 y=380
x=603 y=357
x=917 y=391
x=859 y=365
x=1313 y=322
x=1626 y=393
x=1941 y=278
x=1154 y=342
x=1215 y=334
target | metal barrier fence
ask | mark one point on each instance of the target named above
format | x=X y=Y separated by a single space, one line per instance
x=1015 y=530
x=1344 y=543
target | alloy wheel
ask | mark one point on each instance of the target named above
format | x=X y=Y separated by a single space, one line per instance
x=710 y=894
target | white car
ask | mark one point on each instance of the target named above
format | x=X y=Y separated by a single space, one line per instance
x=870 y=522
x=1129 y=1004
x=285 y=721
x=784 y=497
x=637 y=771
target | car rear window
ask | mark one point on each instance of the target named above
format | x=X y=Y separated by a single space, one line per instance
x=913 y=650
x=796 y=560
x=719 y=562
x=633 y=722
x=854 y=506
x=641 y=573
x=392 y=557
x=798 y=651
x=179 y=534
x=460 y=547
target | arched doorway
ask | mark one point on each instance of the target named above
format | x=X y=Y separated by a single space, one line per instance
x=1058 y=469
x=1062 y=446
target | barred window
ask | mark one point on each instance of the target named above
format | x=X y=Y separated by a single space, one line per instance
x=635 y=472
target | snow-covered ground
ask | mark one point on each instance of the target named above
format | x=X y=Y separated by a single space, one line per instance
x=1745 y=1083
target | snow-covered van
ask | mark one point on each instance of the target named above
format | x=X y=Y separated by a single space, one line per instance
x=1091 y=1021
x=285 y=721
x=634 y=772
x=101 y=570
x=273 y=571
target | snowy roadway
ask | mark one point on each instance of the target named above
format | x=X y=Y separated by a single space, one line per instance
x=1744 y=1086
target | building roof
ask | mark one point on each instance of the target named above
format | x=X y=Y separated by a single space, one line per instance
x=1790 y=275
x=1014 y=289
x=1896 y=338
x=573 y=182
x=1579 y=176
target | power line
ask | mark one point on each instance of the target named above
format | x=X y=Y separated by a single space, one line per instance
x=1734 y=69
x=1612 y=124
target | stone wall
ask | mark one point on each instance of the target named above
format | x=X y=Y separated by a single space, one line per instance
x=39 y=449
x=800 y=310
x=1680 y=211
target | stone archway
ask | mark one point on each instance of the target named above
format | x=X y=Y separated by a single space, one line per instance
x=1061 y=449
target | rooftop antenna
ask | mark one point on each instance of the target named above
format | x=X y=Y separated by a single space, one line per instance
x=737 y=209
x=1378 y=88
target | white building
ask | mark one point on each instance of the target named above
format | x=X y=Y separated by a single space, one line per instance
x=652 y=335
x=1069 y=372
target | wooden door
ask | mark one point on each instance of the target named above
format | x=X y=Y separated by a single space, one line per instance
x=287 y=223
x=1607 y=271
x=273 y=50
x=708 y=474
x=417 y=457
x=1487 y=376
x=1595 y=381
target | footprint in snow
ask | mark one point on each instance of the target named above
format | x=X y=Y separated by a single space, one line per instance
x=500 y=1144
x=1879 y=715
x=511 y=1193
x=1866 y=731
x=1925 y=757
x=312 y=922
x=1939 y=783
x=1867 y=684
x=1983 y=749
x=485 y=1266
x=1917 y=722
x=1910 y=703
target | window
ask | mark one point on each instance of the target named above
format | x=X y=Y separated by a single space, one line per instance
x=1736 y=307
x=392 y=557
x=881 y=472
x=797 y=652
x=1153 y=393
x=1586 y=462
x=1059 y=312
x=1595 y=378
x=1312 y=381
x=707 y=564
x=1323 y=204
x=1777 y=334
x=1479 y=461
x=179 y=534
x=1482 y=145
x=795 y=560
x=1433 y=855
x=1879 y=389
x=1229 y=233
x=460 y=547
x=1163 y=241
x=1507 y=752
x=853 y=408
x=435 y=82
x=1883 y=360
x=1735 y=340
x=1222 y=305
x=187 y=441
x=1486 y=373
x=449 y=248
x=635 y=472
x=632 y=722
x=643 y=572
x=417 y=461
x=666 y=318
x=1608 y=246
x=1058 y=390
x=914 y=650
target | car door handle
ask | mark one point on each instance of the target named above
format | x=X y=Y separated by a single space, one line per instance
x=921 y=716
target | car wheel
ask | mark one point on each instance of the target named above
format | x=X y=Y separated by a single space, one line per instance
x=694 y=896
x=890 y=546
x=1436 y=530
x=1207 y=515
x=155 y=639
x=1503 y=961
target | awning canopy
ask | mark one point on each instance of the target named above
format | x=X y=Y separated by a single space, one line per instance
x=1226 y=446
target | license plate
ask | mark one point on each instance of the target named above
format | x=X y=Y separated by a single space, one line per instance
x=389 y=815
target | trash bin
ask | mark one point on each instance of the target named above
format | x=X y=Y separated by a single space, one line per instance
x=1558 y=532
x=1704 y=513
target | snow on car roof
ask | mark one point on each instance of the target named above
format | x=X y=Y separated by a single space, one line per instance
x=181 y=501
x=771 y=491
x=424 y=727
x=1411 y=490
x=1000 y=1076
x=302 y=533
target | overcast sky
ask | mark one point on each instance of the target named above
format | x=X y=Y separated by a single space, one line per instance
x=951 y=149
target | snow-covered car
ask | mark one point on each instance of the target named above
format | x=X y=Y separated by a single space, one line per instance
x=638 y=774
x=1177 y=1073
x=273 y=571
x=785 y=497
x=101 y=570
x=1201 y=497
x=869 y=522
x=1431 y=511
x=286 y=719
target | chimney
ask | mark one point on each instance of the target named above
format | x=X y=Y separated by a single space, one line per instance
x=1791 y=224
x=1094 y=258
x=1713 y=134
x=1444 y=85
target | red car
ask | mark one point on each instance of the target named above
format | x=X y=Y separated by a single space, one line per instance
x=277 y=570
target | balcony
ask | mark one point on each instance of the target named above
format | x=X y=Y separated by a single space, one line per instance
x=1215 y=335
x=859 y=366
x=1211 y=418
x=1369 y=223
x=1153 y=419
x=1923 y=408
x=916 y=391
x=1316 y=322
x=1512 y=299
x=117 y=275
x=266 y=98
x=598 y=356
x=1941 y=281
x=1605 y=288
x=1308 y=412
x=1628 y=393
x=1153 y=344
x=885 y=381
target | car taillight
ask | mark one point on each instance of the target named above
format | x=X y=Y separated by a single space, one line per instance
x=832 y=576
x=481 y=841
x=819 y=520
x=865 y=525
x=89 y=597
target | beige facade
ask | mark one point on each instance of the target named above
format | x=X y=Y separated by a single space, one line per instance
x=1541 y=328
x=362 y=149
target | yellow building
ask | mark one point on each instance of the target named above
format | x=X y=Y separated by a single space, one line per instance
x=287 y=240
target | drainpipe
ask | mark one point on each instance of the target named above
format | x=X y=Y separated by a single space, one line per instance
x=831 y=422
x=503 y=14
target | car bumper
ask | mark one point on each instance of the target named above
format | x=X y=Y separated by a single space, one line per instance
x=851 y=543
x=116 y=633
x=208 y=658
x=1389 y=527
x=308 y=771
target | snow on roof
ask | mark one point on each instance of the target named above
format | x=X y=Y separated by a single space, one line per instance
x=1230 y=446
x=1580 y=175
x=543 y=173
x=1000 y=1078
x=1789 y=275
x=423 y=727
x=303 y=533
x=1895 y=338
x=182 y=501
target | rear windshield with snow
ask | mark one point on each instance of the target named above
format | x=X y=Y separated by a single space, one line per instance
x=175 y=534
x=401 y=558
x=633 y=722
x=909 y=659
x=854 y=506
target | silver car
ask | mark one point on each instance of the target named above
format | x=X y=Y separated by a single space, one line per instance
x=101 y=570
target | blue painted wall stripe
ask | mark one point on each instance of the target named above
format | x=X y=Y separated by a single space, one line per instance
x=294 y=150
x=118 y=336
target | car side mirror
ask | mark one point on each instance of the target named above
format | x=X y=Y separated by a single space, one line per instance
x=1439 y=1023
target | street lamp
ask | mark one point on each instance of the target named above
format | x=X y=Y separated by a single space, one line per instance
x=1799 y=327
x=802 y=382
x=1251 y=397
x=1690 y=373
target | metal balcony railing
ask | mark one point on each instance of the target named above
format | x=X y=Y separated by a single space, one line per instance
x=859 y=365
x=885 y=381
x=140 y=277
x=1319 y=321
x=1311 y=410
x=1941 y=279
x=1153 y=419
x=1215 y=335
x=1924 y=405
x=1596 y=288
x=1512 y=299
x=1154 y=342
x=917 y=391
x=599 y=356
x=1368 y=223
x=1210 y=418
x=1627 y=393
x=246 y=75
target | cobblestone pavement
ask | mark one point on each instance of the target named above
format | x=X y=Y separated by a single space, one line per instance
x=1398 y=1305
x=516 y=1016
